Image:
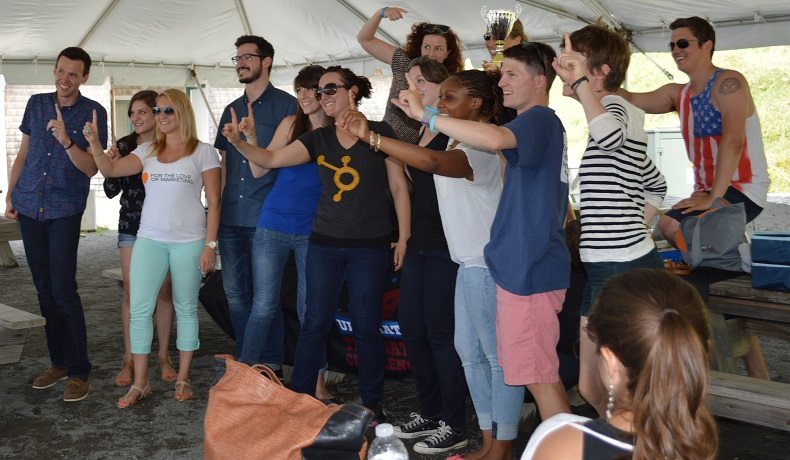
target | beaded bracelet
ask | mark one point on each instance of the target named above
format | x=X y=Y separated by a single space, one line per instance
x=578 y=82
x=429 y=112
x=384 y=12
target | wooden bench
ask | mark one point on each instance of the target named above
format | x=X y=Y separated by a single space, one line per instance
x=15 y=326
x=113 y=274
x=750 y=313
x=9 y=231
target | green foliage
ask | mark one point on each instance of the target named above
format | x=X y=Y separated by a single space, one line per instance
x=765 y=69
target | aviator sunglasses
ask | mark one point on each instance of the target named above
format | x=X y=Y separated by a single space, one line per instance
x=435 y=28
x=330 y=89
x=682 y=43
x=165 y=110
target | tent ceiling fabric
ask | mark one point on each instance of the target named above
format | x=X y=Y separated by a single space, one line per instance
x=149 y=42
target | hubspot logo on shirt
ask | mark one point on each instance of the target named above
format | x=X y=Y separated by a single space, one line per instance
x=145 y=177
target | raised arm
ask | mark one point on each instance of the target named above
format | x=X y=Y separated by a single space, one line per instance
x=79 y=158
x=126 y=166
x=366 y=37
x=279 y=140
x=292 y=154
x=661 y=100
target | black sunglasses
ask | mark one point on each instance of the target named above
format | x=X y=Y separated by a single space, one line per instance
x=532 y=46
x=435 y=28
x=486 y=36
x=330 y=89
x=682 y=43
x=165 y=110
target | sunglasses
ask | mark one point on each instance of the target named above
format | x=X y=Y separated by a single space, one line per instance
x=435 y=28
x=165 y=110
x=486 y=36
x=330 y=89
x=244 y=57
x=682 y=43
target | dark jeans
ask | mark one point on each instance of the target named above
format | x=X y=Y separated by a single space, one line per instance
x=235 y=246
x=427 y=322
x=51 y=250
x=366 y=271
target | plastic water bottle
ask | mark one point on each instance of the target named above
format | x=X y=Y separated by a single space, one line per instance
x=386 y=446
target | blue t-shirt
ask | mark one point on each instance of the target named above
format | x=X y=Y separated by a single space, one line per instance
x=243 y=194
x=527 y=253
x=290 y=206
x=49 y=185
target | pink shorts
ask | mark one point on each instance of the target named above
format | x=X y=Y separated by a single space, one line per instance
x=527 y=332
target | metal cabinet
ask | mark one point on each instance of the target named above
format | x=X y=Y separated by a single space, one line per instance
x=665 y=146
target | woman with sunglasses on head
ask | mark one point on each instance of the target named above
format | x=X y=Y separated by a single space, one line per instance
x=285 y=221
x=468 y=188
x=436 y=41
x=650 y=330
x=620 y=186
x=176 y=233
x=351 y=233
x=132 y=190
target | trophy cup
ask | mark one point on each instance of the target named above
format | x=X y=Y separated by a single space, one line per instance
x=499 y=23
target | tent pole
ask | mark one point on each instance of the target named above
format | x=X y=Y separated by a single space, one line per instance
x=245 y=22
x=203 y=93
x=98 y=23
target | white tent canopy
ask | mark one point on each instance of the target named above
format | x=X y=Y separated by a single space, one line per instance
x=150 y=42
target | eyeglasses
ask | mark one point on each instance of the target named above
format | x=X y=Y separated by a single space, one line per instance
x=330 y=89
x=435 y=28
x=165 y=110
x=532 y=46
x=486 y=36
x=244 y=57
x=682 y=43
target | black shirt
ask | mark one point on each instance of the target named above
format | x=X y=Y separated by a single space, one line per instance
x=131 y=189
x=598 y=449
x=427 y=232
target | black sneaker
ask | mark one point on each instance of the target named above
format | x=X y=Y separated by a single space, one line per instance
x=443 y=440
x=379 y=415
x=416 y=427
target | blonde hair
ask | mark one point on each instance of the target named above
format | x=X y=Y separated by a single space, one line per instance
x=186 y=122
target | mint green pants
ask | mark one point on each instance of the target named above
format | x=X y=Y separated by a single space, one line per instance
x=150 y=263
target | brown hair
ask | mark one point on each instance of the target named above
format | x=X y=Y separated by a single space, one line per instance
x=537 y=57
x=431 y=70
x=306 y=78
x=186 y=122
x=603 y=46
x=454 y=61
x=146 y=96
x=349 y=78
x=518 y=31
x=483 y=85
x=700 y=28
x=655 y=323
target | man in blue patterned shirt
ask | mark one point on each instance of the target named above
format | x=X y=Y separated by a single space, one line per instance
x=47 y=193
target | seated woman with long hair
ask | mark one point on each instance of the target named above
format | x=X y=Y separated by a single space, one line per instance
x=651 y=333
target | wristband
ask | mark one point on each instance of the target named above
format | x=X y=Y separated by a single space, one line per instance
x=378 y=142
x=578 y=82
x=70 y=145
x=384 y=12
x=427 y=113
x=432 y=122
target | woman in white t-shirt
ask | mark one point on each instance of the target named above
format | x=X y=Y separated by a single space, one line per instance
x=175 y=234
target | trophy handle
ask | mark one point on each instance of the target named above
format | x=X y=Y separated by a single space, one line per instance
x=484 y=12
x=517 y=10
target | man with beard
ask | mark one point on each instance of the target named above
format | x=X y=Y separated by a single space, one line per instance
x=47 y=192
x=264 y=106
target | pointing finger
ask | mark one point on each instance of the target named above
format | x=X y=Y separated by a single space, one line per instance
x=352 y=100
x=567 y=39
x=412 y=86
x=249 y=111
x=233 y=118
x=95 y=119
x=57 y=112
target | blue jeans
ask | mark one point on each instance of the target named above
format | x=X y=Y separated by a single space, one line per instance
x=235 y=246
x=366 y=271
x=426 y=317
x=598 y=273
x=270 y=250
x=498 y=405
x=51 y=250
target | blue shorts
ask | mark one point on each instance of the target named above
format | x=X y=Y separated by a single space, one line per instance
x=126 y=240
x=598 y=273
x=732 y=195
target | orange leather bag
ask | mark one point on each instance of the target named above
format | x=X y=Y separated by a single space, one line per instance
x=251 y=415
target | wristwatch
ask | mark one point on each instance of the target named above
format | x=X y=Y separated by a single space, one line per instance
x=211 y=244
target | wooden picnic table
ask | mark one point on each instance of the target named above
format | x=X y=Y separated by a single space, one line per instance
x=9 y=231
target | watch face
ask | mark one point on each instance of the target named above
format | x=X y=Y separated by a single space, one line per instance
x=212 y=244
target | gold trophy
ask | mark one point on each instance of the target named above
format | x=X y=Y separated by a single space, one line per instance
x=499 y=23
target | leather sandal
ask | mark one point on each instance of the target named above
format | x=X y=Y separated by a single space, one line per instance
x=183 y=390
x=678 y=268
x=169 y=373
x=124 y=377
x=128 y=400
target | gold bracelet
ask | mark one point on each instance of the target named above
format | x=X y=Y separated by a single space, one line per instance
x=371 y=139
x=378 y=142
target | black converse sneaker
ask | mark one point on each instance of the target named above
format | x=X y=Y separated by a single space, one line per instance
x=443 y=440
x=416 y=427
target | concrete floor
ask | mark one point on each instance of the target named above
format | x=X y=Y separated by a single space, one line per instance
x=37 y=424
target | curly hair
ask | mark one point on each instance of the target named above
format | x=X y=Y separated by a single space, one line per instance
x=349 y=78
x=455 y=59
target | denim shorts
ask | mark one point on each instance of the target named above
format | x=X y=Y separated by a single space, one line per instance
x=598 y=273
x=126 y=240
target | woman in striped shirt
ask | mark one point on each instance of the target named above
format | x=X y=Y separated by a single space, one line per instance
x=621 y=188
